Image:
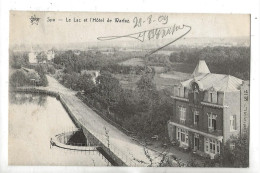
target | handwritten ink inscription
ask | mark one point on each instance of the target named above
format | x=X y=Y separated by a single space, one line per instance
x=139 y=21
x=155 y=33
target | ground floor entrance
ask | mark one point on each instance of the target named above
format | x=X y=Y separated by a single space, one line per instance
x=182 y=137
x=200 y=143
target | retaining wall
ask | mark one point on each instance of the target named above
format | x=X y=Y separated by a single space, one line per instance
x=94 y=140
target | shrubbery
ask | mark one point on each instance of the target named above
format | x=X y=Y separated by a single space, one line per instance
x=237 y=156
x=18 y=59
x=42 y=71
x=24 y=78
x=18 y=79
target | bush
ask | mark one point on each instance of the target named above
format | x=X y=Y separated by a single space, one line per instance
x=18 y=79
x=51 y=69
x=16 y=66
x=43 y=80
x=41 y=70
x=33 y=75
x=192 y=163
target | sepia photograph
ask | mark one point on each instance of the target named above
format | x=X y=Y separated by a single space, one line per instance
x=107 y=89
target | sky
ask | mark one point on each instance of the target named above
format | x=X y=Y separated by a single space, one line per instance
x=63 y=32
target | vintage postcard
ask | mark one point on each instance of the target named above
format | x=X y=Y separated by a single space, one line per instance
x=129 y=89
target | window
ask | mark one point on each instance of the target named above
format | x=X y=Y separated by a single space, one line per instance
x=182 y=136
x=212 y=123
x=212 y=146
x=233 y=122
x=196 y=117
x=186 y=92
x=187 y=138
x=210 y=97
x=196 y=142
x=206 y=145
x=182 y=114
x=195 y=88
x=196 y=95
x=179 y=91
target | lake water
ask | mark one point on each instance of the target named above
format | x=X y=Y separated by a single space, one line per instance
x=33 y=120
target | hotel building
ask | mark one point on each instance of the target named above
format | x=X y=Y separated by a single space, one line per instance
x=208 y=109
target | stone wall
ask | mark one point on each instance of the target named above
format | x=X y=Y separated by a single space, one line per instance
x=113 y=158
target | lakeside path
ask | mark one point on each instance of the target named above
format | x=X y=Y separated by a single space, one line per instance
x=131 y=152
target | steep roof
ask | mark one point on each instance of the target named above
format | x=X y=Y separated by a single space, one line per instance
x=219 y=82
x=201 y=68
x=212 y=81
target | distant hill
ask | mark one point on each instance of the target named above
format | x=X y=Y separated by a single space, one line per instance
x=136 y=45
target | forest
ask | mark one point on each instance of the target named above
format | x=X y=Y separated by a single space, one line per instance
x=223 y=60
x=90 y=60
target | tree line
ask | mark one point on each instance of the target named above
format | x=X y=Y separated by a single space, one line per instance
x=92 y=60
x=224 y=60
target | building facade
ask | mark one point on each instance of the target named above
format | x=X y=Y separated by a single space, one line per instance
x=208 y=109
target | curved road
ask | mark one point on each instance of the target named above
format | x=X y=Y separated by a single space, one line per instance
x=121 y=144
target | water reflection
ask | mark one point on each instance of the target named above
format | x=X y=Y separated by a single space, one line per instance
x=33 y=120
x=22 y=98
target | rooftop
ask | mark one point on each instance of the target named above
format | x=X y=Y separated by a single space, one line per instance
x=207 y=80
x=201 y=68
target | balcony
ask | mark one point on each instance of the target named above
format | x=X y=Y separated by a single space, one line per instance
x=196 y=127
x=216 y=134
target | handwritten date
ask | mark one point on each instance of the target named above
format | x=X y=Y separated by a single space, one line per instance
x=139 y=21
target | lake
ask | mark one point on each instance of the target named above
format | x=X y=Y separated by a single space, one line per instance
x=33 y=120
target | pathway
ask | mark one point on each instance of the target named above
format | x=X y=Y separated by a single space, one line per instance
x=121 y=144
